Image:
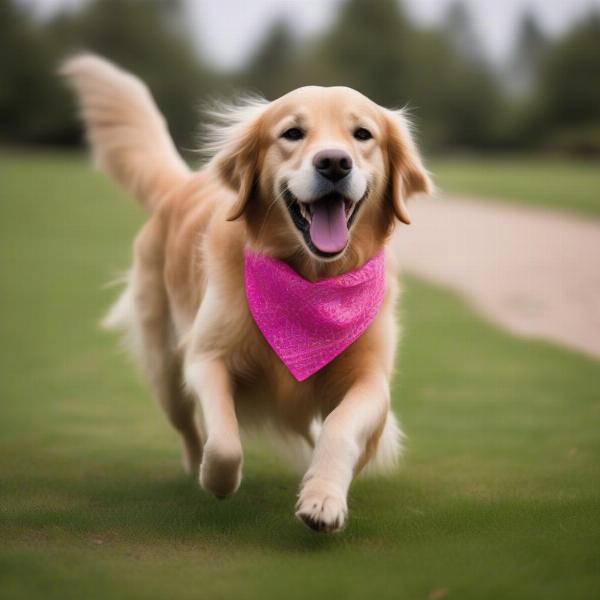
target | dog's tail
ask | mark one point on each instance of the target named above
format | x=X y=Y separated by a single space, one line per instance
x=128 y=135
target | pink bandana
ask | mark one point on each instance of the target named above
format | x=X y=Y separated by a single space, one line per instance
x=308 y=324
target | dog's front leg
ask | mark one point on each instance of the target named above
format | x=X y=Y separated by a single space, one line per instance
x=221 y=469
x=348 y=435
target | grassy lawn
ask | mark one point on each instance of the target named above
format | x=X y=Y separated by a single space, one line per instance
x=554 y=183
x=498 y=496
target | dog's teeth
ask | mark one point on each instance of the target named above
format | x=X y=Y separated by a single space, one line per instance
x=350 y=209
x=305 y=211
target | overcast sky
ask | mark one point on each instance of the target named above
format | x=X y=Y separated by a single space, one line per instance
x=228 y=30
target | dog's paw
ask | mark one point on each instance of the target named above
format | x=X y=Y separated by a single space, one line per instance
x=221 y=468
x=322 y=506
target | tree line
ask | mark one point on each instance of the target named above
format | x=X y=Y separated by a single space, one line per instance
x=547 y=98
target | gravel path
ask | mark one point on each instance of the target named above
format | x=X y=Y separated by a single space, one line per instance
x=535 y=272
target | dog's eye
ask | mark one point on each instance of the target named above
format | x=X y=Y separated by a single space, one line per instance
x=362 y=134
x=293 y=134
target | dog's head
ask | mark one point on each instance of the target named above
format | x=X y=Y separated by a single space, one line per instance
x=324 y=170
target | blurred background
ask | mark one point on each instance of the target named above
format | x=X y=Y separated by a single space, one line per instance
x=497 y=495
x=479 y=75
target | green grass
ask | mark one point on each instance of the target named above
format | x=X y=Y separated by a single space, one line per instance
x=553 y=183
x=498 y=497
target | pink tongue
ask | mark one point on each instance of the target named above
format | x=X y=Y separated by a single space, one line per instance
x=328 y=229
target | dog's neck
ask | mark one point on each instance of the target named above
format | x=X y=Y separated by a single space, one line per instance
x=312 y=269
x=362 y=247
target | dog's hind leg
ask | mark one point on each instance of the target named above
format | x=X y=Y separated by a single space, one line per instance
x=157 y=346
x=178 y=406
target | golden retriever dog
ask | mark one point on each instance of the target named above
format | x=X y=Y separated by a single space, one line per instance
x=272 y=166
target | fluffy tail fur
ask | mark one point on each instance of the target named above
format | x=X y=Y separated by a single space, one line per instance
x=128 y=135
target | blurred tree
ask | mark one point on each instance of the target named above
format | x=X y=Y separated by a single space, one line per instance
x=469 y=100
x=530 y=51
x=461 y=33
x=146 y=38
x=272 y=70
x=368 y=49
x=521 y=80
x=374 y=48
x=569 y=92
x=441 y=73
x=30 y=93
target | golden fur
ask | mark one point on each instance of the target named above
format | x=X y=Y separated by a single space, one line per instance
x=185 y=307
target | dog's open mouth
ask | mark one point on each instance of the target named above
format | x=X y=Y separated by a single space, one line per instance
x=325 y=223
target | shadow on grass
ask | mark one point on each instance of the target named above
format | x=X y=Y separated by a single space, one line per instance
x=141 y=510
x=172 y=509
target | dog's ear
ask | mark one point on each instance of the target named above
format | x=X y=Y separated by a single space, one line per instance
x=407 y=174
x=236 y=140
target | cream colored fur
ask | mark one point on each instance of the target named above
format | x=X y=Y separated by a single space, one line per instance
x=128 y=135
x=184 y=306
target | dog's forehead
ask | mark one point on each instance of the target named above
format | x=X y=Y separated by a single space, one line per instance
x=316 y=100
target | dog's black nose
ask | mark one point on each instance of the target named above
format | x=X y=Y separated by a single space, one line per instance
x=333 y=164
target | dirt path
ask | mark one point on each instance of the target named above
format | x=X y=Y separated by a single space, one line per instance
x=537 y=273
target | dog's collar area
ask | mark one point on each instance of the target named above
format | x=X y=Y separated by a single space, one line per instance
x=308 y=324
